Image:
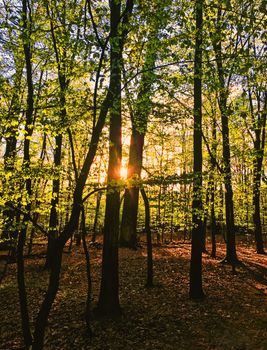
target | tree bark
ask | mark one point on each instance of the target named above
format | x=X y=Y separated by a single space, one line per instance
x=98 y=201
x=196 y=291
x=212 y=189
x=149 y=282
x=10 y=154
x=140 y=114
x=63 y=85
x=28 y=184
x=41 y=321
x=53 y=220
x=259 y=143
x=231 y=256
x=108 y=303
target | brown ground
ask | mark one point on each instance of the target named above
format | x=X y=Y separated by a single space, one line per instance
x=233 y=316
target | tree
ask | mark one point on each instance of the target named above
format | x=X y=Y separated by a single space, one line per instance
x=26 y=39
x=257 y=101
x=212 y=188
x=65 y=50
x=149 y=281
x=223 y=94
x=139 y=111
x=53 y=285
x=196 y=291
x=12 y=120
x=108 y=303
x=259 y=122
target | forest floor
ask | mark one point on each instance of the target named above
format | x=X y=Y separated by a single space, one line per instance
x=232 y=316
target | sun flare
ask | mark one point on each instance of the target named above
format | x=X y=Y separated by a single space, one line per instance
x=123 y=172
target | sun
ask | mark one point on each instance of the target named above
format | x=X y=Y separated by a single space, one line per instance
x=123 y=172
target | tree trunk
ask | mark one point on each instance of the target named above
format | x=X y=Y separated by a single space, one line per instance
x=149 y=282
x=53 y=221
x=9 y=158
x=257 y=169
x=196 y=291
x=213 y=188
x=140 y=114
x=256 y=215
x=172 y=212
x=41 y=321
x=108 y=303
x=25 y=320
x=259 y=143
x=63 y=85
x=28 y=184
x=213 y=227
x=231 y=256
x=10 y=230
x=98 y=201
x=88 y=275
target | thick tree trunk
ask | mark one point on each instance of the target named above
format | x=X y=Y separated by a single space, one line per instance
x=128 y=236
x=140 y=114
x=231 y=256
x=108 y=303
x=196 y=291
